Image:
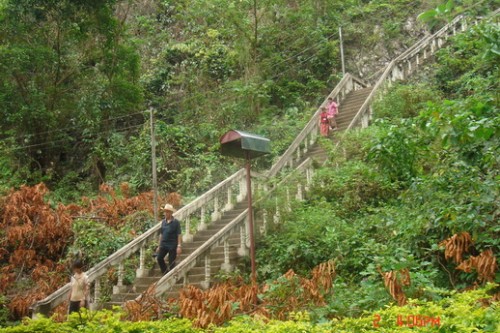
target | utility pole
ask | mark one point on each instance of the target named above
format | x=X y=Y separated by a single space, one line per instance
x=153 y=165
x=342 y=51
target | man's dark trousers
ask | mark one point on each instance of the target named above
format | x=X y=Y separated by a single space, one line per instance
x=172 y=254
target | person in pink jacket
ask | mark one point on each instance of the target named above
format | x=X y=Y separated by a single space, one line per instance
x=332 y=113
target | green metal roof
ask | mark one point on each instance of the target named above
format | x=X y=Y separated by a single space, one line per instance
x=244 y=144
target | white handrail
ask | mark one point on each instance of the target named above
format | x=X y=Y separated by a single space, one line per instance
x=60 y=295
x=313 y=123
x=413 y=51
x=56 y=298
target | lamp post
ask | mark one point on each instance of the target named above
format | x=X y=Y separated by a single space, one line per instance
x=246 y=145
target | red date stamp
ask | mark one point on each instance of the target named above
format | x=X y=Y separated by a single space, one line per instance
x=411 y=321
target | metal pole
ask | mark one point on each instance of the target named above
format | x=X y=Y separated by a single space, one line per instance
x=342 y=51
x=153 y=166
x=250 y=219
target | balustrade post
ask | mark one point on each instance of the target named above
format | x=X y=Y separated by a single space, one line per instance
x=288 y=200
x=365 y=119
x=425 y=53
x=188 y=236
x=306 y=187
x=202 y=226
x=433 y=46
x=119 y=288
x=409 y=66
x=216 y=215
x=206 y=283
x=299 y=195
x=243 y=191
x=349 y=86
x=141 y=271
x=265 y=189
x=264 y=221
x=298 y=154
x=97 y=295
x=454 y=30
x=277 y=214
x=306 y=144
x=229 y=204
x=248 y=231
x=314 y=133
x=463 y=25
x=226 y=265
x=242 y=250
x=259 y=190
x=418 y=59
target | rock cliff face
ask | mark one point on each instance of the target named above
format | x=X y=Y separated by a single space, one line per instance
x=367 y=59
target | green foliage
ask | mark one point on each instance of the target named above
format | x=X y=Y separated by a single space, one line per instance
x=444 y=12
x=404 y=101
x=76 y=77
x=352 y=186
x=393 y=192
x=4 y=310
x=395 y=152
x=469 y=61
x=65 y=70
x=461 y=312
x=96 y=241
x=304 y=252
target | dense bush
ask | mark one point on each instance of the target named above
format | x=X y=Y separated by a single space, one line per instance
x=404 y=101
x=394 y=192
x=461 y=312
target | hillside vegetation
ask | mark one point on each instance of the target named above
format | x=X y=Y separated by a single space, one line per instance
x=77 y=78
x=409 y=207
x=407 y=210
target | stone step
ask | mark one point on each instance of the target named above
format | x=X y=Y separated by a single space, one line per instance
x=123 y=297
x=191 y=246
x=349 y=100
x=359 y=92
x=207 y=236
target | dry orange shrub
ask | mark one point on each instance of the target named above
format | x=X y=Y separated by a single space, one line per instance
x=485 y=263
x=456 y=246
x=220 y=303
x=215 y=305
x=394 y=282
x=36 y=236
x=147 y=307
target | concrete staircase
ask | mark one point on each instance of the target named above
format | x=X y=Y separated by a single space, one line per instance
x=355 y=99
x=348 y=109
x=197 y=274
x=350 y=106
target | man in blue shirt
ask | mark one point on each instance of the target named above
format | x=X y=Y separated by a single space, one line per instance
x=170 y=240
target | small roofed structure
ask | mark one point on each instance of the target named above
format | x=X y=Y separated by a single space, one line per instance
x=244 y=145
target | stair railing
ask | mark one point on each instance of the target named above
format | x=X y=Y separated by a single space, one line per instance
x=208 y=207
x=194 y=216
x=307 y=137
x=239 y=225
x=292 y=159
x=407 y=63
